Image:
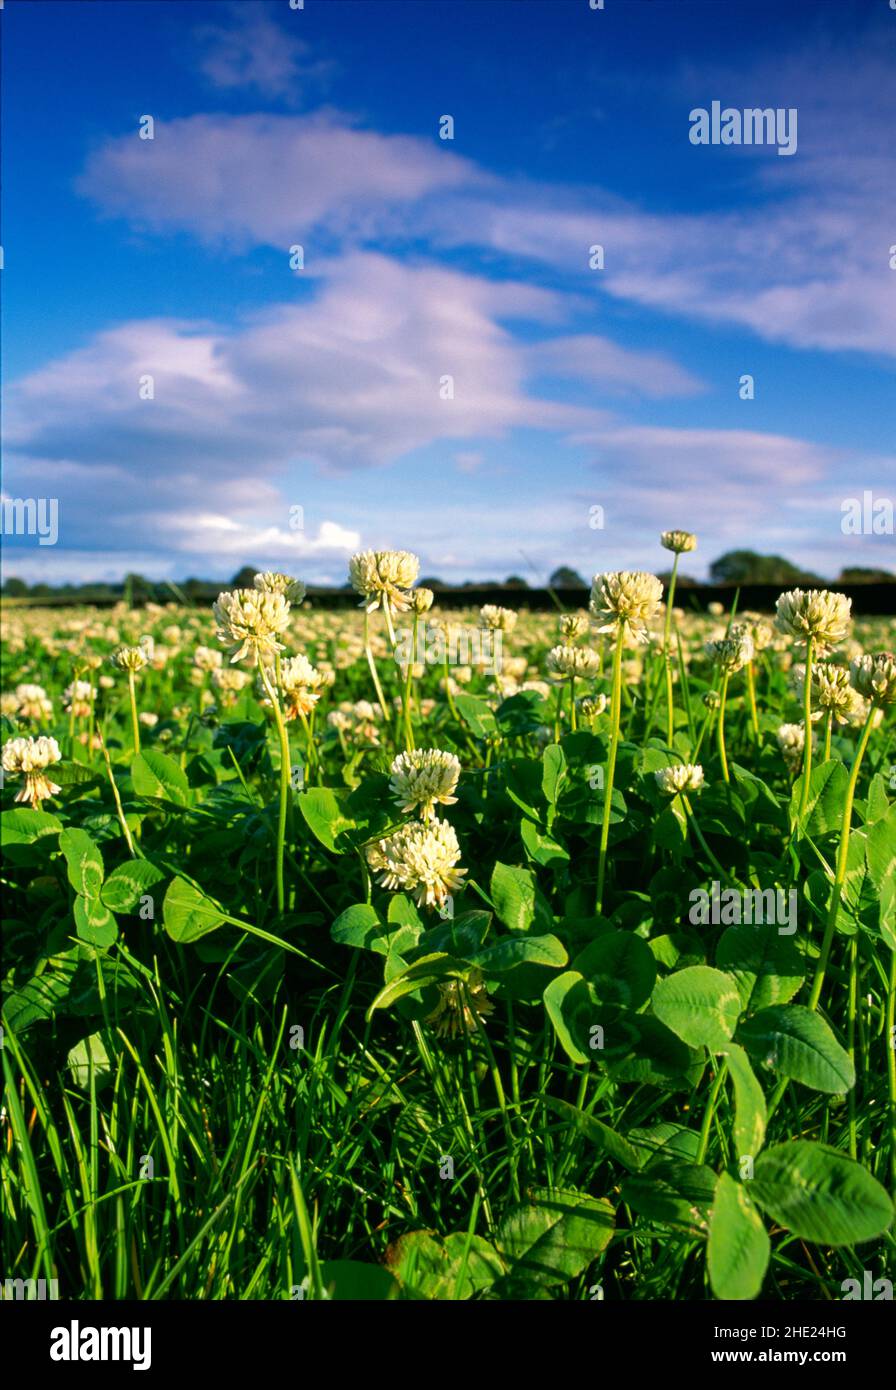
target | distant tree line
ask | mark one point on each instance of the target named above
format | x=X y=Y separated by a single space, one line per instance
x=734 y=567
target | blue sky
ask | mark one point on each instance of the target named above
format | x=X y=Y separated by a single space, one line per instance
x=319 y=389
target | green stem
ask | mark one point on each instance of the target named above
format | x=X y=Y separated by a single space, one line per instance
x=572 y=703
x=667 y=655
x=710 y=1111
x=751 y=697
x=827 y=734
x=891 y=1064
x=720 y=729
x=842 y=860
x=807 y=724
x=285 y=772
x=135 y=723
x=615 y=710
x=372 y=664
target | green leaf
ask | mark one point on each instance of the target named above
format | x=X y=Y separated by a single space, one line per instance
x=358 y=1282
x=127 y=884
x=699 y=1004
x=767 y=966
x=819 y=1194
x=514 y=950
x=827 y=793
x=70 y=774
x=620 y=966
x=188 y=912
x=606 y=1139
x=476 y=715
x=794 y=1041
x=457 y=1267
x=555 y=1236
x=83 y=862
x=554 y=764
x=23 y=826
x=357 y=926
x=674 y=1193
x=158 y=776
x=540 y=847
x=738 y=1249
x=750 y=1111
x=94 y=922
x=323 y=812
x=512 y=891
x=89 y=1053
x=43 y=995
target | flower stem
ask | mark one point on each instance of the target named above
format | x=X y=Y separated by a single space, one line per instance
x=667 y=655
x=372 y=664
x=615 y=710
x=827 y=734
x=751 y=697
x=720 y=728
x=572 y=703
x=135 y=724
x=807 y=725
x=710 y=1111
x=285 y=771
x=842 y=860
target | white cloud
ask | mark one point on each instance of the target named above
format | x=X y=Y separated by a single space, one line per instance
x=252 y=51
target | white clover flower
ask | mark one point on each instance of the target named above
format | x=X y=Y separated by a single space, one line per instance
x=685 y=777
x=130 y=659
x=874 y=677
x=421 y=600
x=270 y=582
x=463 y=1007
x=678 y=541
x=814 y=613
x=423 y=778
x=573 y=661
x=792 y=741
x=382 y=576
x=573 y=626
x=498 y=619
x=207 y=658
x=593 y=705
x=251 y=620
x=836 y=693
x=33 y=703
x=300 y=686
x=732 y=652
x=77 y=698
x=419 y=858
x=715 y=609
x=625 y=602
x=30 y=757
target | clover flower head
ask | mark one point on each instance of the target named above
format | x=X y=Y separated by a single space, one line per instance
x=271 y=582
x=498 y=619
x=251 y=621
x=382 y=576
x=732 y=652
x=678 y=541
x=420 y=858
x=836 y=693
x=78 y=697
x=685 y=777
x=593 y=705
x=33 y=702
x=30 y=757
x=421 y=600
x=573 y=626
x=422 y=778
x=874 y=677
x=573 y=661
x=207 y=658
x=814 y=614
x=130 y=659
x=300 y=686
x=463 y=1006
x=625 y=602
